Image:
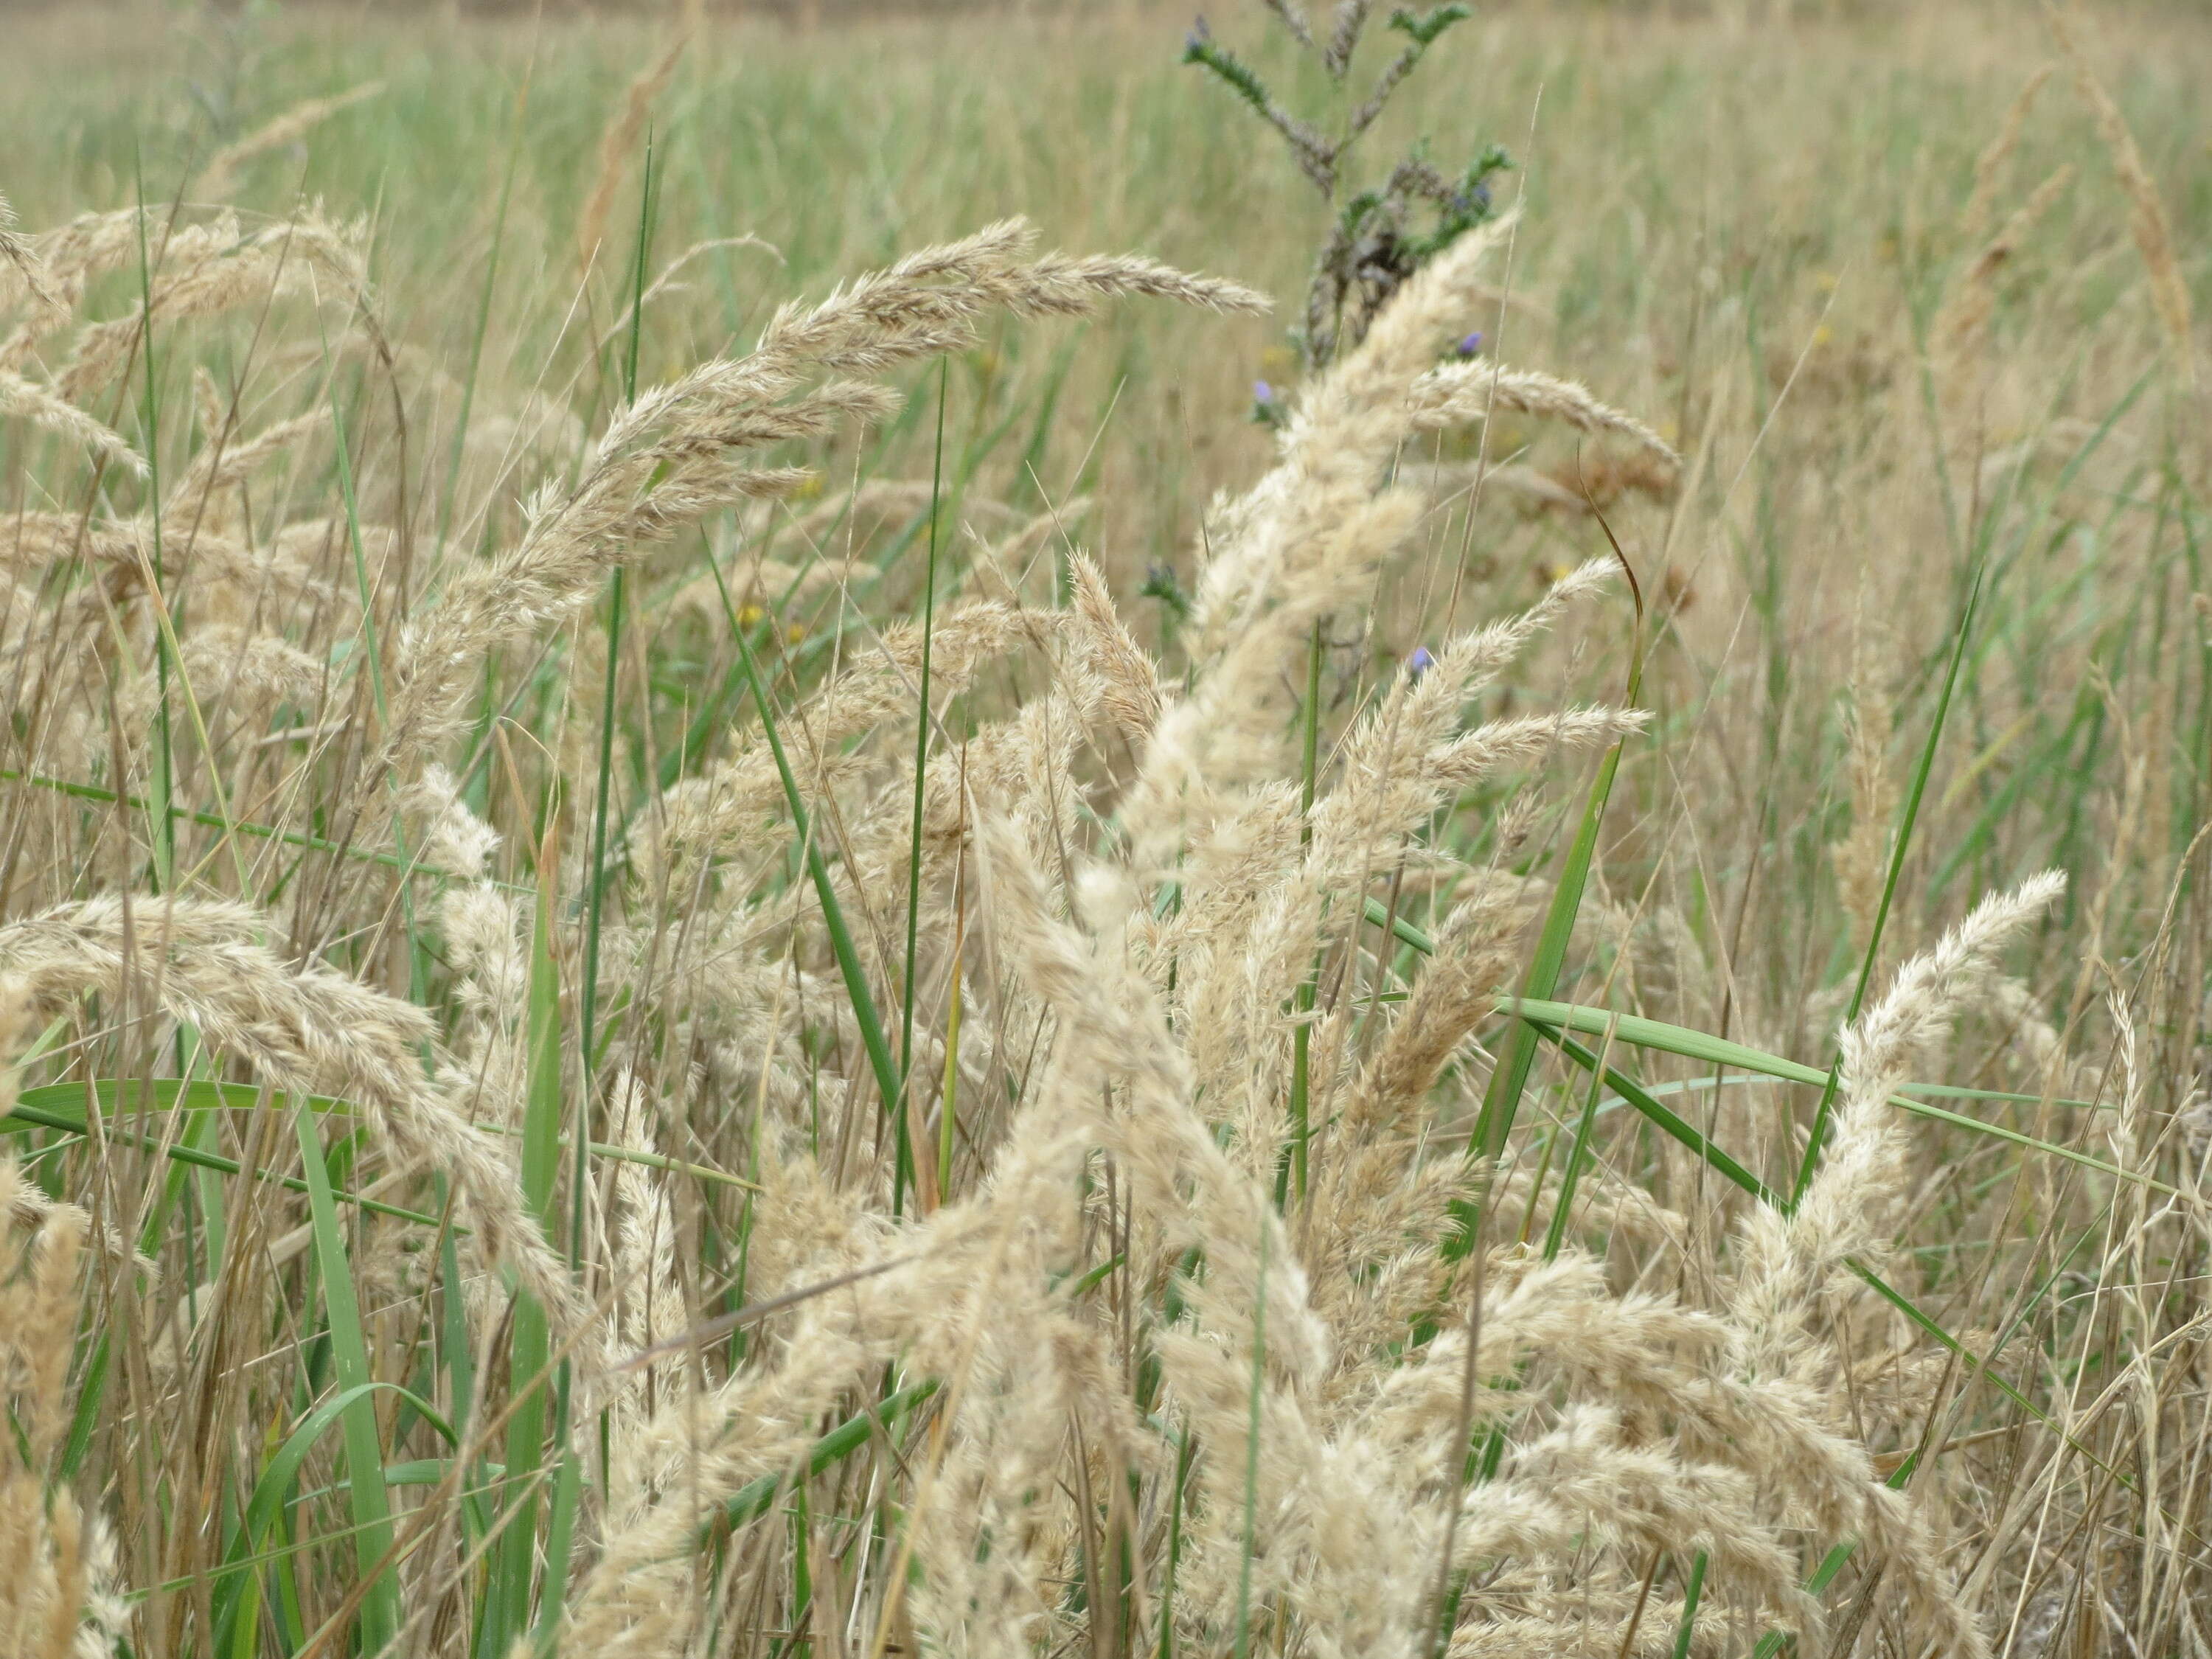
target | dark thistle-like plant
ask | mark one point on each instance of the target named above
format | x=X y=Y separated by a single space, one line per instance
x=1380 y=235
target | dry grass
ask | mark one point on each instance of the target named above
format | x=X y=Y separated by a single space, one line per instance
x=661 y=998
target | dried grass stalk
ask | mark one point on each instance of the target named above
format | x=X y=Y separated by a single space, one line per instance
x=617 y=143
x=220 y=176
x=2147 y=217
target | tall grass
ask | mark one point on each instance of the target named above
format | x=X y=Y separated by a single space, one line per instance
x=693 y=959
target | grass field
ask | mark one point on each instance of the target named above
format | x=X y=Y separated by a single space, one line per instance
x=995 y=965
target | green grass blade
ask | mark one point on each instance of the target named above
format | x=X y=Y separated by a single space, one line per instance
x=1293 y=1168
x=91 y=1391
x=1667 y=1122
x=903 y=1163
x=161 y=1094
x=370 y=647
x=856 y=977
x=1184 y=1449
x=514 y=1557
x=1691 y=1592
x=1563 y=1207
x=163 y=760
x=1501 y=1100
x=751 y=1502
x=1696 y=1045
x=371 y=1504
x=273 y=1489
x=560 y=1536
x=617 y=593
x=567 y=1482
x=1639 y=1032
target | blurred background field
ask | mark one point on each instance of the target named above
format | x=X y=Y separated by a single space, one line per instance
x=1743 y=223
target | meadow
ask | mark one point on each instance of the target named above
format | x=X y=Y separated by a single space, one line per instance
x=781 y=874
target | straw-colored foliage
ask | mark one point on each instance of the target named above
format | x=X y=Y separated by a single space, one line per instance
x=650 y=1010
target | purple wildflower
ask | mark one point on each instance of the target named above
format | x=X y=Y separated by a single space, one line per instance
x=1419 y=662
x=1471 y=346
